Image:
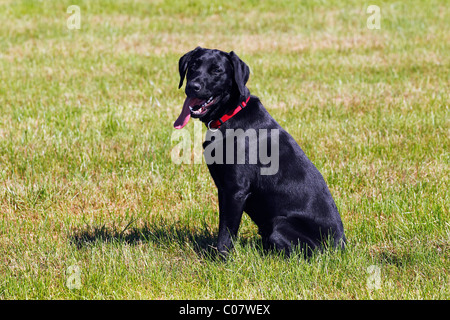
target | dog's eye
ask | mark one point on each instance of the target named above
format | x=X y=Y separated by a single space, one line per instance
x=194 y=65
x=216 y=70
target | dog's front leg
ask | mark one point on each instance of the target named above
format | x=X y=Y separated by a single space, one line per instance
x=231 y=207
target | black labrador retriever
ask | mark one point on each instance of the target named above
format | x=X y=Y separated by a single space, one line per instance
x=288 y=200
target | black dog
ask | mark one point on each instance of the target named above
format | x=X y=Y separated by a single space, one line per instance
x=291 y=204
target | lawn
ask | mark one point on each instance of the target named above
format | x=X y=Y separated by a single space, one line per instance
x=92 y=207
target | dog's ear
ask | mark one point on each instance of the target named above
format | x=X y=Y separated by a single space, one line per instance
x=183 y=65
x=241 y=73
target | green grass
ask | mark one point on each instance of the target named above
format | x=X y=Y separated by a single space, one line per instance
x=86 y=177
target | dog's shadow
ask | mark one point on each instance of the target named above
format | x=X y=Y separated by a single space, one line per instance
x=162 y=233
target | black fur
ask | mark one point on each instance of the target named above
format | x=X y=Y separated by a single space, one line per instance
x=293 y=206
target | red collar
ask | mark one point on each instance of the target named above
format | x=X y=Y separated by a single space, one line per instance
x=215 y=124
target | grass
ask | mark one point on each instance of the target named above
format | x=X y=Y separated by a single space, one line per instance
x=86 y=177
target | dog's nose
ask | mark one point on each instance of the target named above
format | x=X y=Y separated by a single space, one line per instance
x=195 y=86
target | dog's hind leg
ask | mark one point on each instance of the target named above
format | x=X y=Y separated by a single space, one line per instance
x=278 y=242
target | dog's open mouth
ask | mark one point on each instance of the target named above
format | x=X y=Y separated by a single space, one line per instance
x=196 y=107
x=199 y=107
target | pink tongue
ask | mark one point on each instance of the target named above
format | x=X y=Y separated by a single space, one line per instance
x=185 y=114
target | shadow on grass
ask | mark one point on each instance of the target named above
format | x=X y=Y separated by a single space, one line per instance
x=167 y=234
x=162 y=233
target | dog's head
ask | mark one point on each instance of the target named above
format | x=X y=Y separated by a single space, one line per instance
x=215 y=82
